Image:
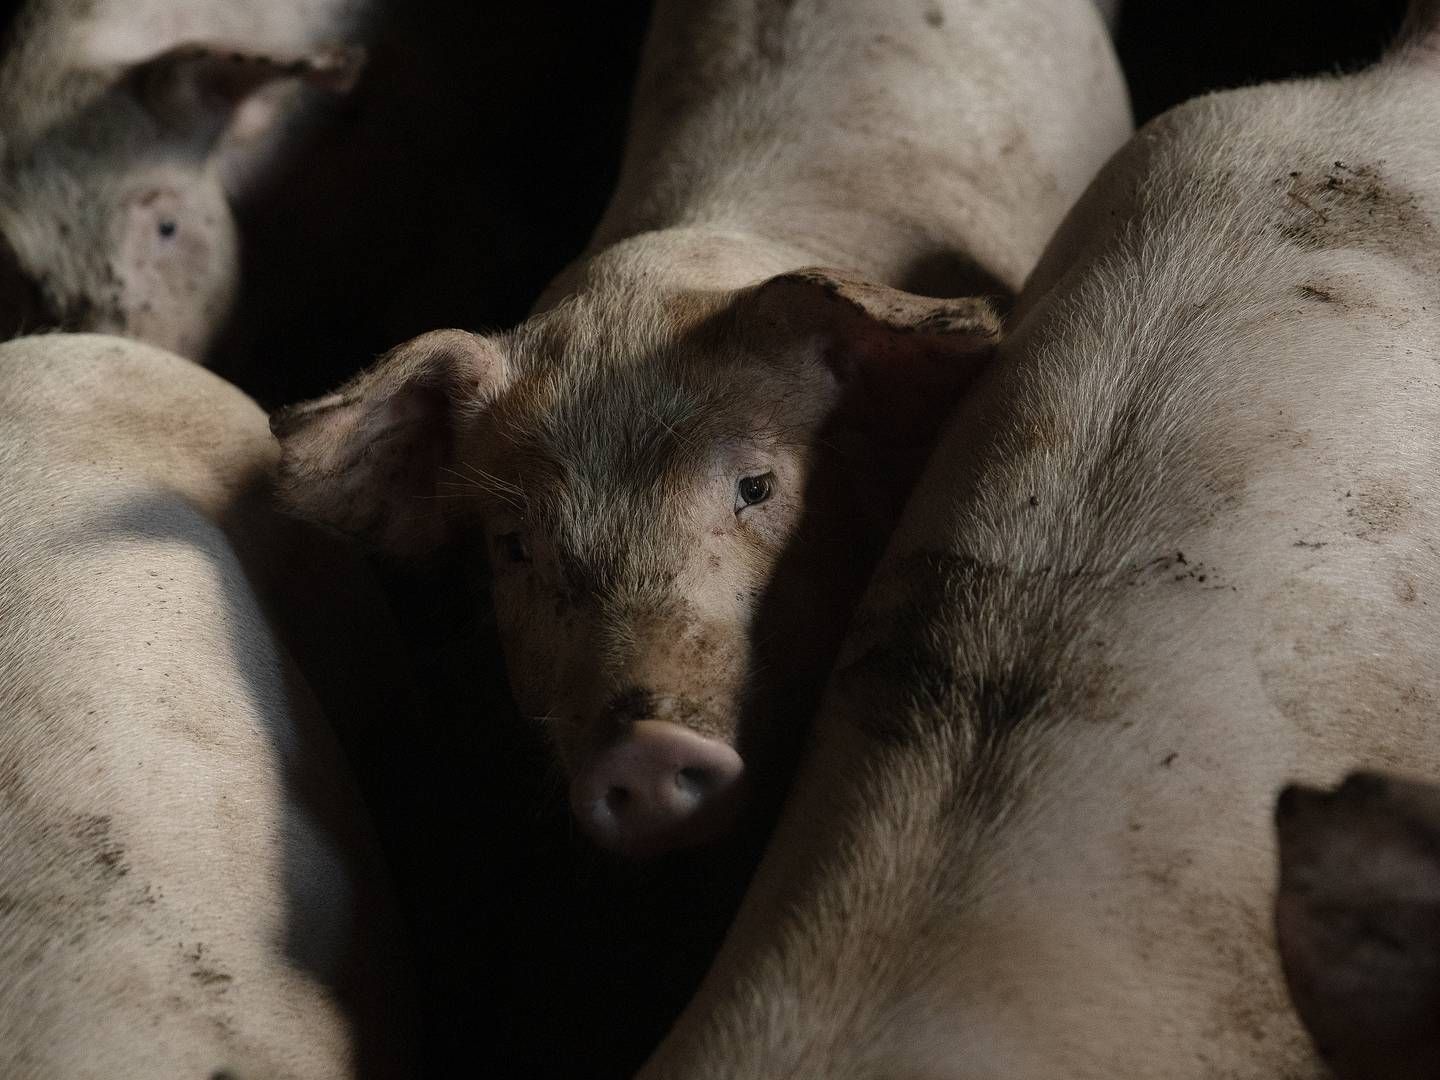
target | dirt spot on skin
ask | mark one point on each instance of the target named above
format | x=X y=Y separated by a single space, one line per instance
x=1168 y=872
x=885 y=48
x=906 y=650
x=204 y=971
x=1341 y=676
x=1176 y=568
x=1312 y=291
x=1255 y=1004
x=1352 y=205
x=934 y=17
x=1099 y=691
x=1010 y=681
x=93 y=833
x=1378 y=510
x=1247 y=1014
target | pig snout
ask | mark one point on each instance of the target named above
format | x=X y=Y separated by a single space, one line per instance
x=658 y=788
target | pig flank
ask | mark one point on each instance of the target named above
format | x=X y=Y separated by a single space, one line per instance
x=1186 y=556
x=125 y=129
x=187 y=887
x=605 y=447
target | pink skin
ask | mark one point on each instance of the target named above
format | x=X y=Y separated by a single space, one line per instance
x=660 y=787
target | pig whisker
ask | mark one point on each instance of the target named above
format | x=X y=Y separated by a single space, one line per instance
x=479 y=483
x=688 y=441
x=465 y=491
x=491 y=478
x=493 y=482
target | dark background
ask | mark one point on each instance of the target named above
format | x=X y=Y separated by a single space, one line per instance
x=467 y=169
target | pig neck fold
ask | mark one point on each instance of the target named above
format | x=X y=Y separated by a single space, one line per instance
x=1175 y=565
x=767 y=136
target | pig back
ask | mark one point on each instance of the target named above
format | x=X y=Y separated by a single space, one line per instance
x=187 y=886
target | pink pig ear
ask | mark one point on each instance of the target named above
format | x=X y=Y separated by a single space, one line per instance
x=196 y=89
x=902 y=361
x=1358 y=923
x=369 y=459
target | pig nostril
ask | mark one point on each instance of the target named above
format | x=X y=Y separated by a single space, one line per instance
x=657 y=788
x=692 y=778
x=616 y=799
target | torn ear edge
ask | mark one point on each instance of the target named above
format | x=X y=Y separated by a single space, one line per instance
x=902 y=361
x=372 y=458
x=797 y=300
x=198 y=86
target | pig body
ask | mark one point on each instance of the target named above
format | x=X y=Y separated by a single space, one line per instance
x=1177 y=547
x=187 y=887
x=682 y=467
x=125 y=131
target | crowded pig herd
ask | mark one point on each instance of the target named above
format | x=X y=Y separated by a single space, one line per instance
x=995 y=542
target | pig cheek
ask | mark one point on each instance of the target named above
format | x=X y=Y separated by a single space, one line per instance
x=812 y=589
x=174 y=279
x=539 y=636
x=521 y=643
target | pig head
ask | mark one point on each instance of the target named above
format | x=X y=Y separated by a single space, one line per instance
x=1358 y=921
x=678 y=496
x=114 y=212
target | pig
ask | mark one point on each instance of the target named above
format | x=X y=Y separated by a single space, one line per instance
x=1358 y=922
x=187 y=884
x=126 y=130
x=1176 y=548
x=681 y=467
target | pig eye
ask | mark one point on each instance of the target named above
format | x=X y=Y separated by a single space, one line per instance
x=753 y=489
x=512 y=546
x=168 y=228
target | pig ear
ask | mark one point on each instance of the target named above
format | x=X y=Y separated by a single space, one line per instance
x=196 y=89
x=1420 y=36
x=370 y=459
x=1358 y=922
x=902 y=360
